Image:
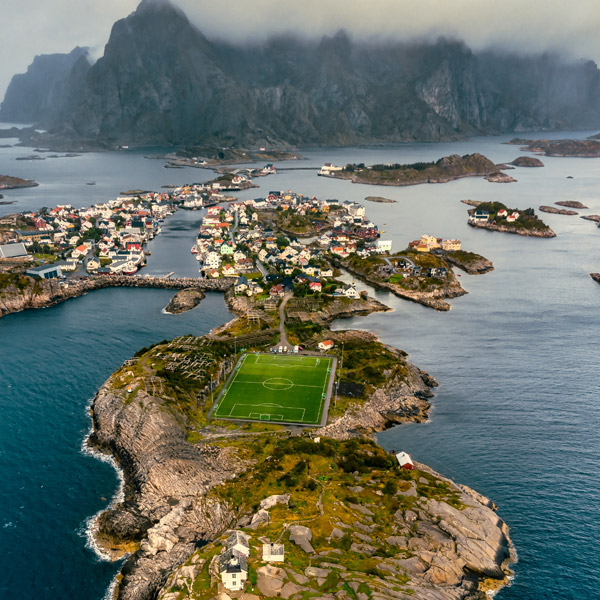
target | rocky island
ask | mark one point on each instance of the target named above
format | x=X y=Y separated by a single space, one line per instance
x=445 y=169
x=589 y=148
x=185 y=300
x=495 y=216
x=527 y=161
x=570 y=204
x=11 y=183
x=557 y=211
x=380 y=199
x=348 y=519
x=417 y=275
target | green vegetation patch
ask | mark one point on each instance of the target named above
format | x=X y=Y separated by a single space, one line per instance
x=527 y=220
x=444 y=169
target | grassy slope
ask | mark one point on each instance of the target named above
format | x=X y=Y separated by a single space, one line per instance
x=324 y=474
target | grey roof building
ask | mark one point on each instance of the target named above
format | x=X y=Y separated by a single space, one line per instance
x=16 y=250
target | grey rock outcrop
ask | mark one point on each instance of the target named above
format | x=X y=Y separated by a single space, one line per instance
x=166 y=481
x=301 y=536
x=37 y=94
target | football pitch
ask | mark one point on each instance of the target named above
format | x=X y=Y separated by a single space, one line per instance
x=278 y=388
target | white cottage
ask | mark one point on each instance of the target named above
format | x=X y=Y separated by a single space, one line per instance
x=273 y=552
x=233 y=568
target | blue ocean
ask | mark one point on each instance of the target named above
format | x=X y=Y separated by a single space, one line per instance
x=516 y=415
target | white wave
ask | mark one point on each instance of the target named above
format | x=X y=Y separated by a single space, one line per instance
x=110 y=591
x=90 y=527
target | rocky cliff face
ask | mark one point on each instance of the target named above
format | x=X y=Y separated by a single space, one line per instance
x=36 y=95
x=162 y=81
x=166 y=480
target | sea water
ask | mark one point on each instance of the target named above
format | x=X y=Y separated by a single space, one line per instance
x=516 y=415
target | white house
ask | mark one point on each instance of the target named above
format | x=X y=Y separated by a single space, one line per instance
x=212 y=260
x=233 y=568
x=405 y=461
x=229 y=271
x=384 y=245
x=273 y=552
x=239 y=542
x=451 y=245
x=512 y=217
x=326 y=345
x=350 y=292
x=329 y=169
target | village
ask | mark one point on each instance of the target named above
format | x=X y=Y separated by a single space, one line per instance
x=284 y=243
x=243 y=241
x=106 y=238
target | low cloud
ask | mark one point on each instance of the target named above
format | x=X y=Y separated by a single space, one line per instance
x=33 y=27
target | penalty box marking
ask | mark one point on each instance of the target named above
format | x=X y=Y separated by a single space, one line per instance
x=254 y=415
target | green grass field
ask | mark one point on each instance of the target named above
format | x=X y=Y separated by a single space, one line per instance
x=276 y=388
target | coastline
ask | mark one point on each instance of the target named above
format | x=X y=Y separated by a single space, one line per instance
x=176 y=495
x=548 y=233
x=48 y=292
x=435 y=299
x=91 y=523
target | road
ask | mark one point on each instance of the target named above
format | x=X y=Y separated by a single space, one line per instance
x=283 y=341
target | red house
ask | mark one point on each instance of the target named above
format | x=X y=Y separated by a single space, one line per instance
x=405 y=461
x=276 y=291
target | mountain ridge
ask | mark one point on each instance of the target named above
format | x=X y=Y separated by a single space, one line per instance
x=162 y=81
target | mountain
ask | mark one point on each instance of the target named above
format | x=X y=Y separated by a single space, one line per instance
x=161 y=81
x=35 y=95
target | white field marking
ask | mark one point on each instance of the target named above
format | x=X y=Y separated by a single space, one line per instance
x=227 y=390
x=296 y=361
x=294 y=385
x=324 y=391
x=278 y=383
x=256 y=415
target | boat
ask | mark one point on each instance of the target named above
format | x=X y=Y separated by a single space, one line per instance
x=194 y=250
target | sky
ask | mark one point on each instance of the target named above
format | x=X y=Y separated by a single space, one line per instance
x=31 y=27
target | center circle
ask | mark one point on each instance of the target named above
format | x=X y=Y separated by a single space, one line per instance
x=278 y=383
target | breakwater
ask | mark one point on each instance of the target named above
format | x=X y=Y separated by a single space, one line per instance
x=30 y=293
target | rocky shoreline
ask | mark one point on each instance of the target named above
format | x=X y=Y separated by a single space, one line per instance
x=433 y=299
x=380 y=199
x=557 y=211
x=30 y=294
x=168 y=507
x=548 y=233
x=589 y=148
x=571 y=204
x=185 y=300
x=473 y=266
x=12 y=183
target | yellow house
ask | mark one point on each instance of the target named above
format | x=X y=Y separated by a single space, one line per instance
x=451 y=245
x=429 y=241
